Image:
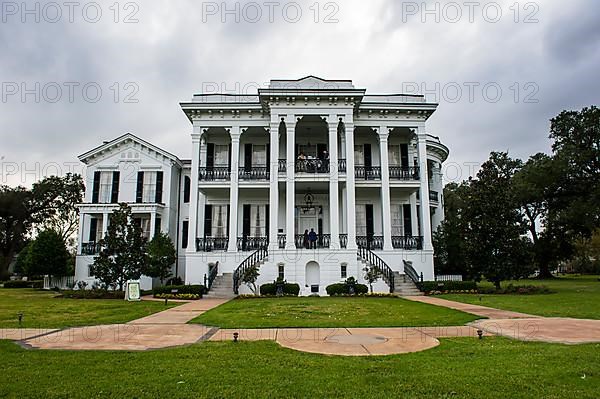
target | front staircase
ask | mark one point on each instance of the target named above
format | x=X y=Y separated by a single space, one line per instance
x=222 y=287
x=404 y=286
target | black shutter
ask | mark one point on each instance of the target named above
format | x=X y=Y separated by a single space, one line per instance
x=247 y=157
x=139 y=188
x=157 y=226
x=229 y=156
x=114 y=195
x=321 y=148
x=184 y=233
x=187 y=182
x=96 y=188
x=207 y=220
x=210 y=156
x=228 y=217
x=404 y=155
x=267 y=221
x=268 y=157
x=407 y=220
x=159 y=187
x=368 y=158
x=93 y=227
x=246 y=220
x=370 y=222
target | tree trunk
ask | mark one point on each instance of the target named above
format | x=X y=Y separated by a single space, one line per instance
x=544 y=271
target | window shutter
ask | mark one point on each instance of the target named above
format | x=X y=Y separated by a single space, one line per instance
x=210 y=156
x=159 y=187
x=268 y=158
x=267 y=221
x=247 y=157
x=407 y=220
x=96 y=188
x=186 y=189
x=93 y=228
x=228 y=213
x=139 y=188
x=114 y=195
x=404 y=155
x=207 y=220
x=367 y=155
x=229 y=156
x=184 y=234
x=157 y=226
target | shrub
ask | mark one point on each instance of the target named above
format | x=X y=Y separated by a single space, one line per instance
x=517 y=289
x=429 y=286
x=175 y=281
x=344 y=289
x=289 y=289
x=178 y=296
x=181 y=289
x=92 y=294
x=18 y=284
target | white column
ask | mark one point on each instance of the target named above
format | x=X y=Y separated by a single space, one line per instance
x=334 y=203
x=385 y=188
x=200 y=217
x=424 y=189
x=413 y=214
x=290 y=186
x=350 y=187
x=104 y=224
x=81 y=232
x=193 y=221
x=233 y=190
x=274 y=184
x=152 y=224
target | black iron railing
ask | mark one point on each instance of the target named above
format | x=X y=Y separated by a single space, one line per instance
x=90 y=248
x=370 y=242
x=214 y=173
x=343 y=240
x=251 y=261
x=322 y=241
x=379 y=264
x=213 y=269
x=434 y=196
x=207 y=244
x=246 y=243
x=410 y=271
x=254 y=173
x=404 y=173
x=367 y=172
x=281 y=166
x=342 y=165
x=281 y=241
x=312 y=166
x=407 y=242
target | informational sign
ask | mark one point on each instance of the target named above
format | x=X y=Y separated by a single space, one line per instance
x=132 y=290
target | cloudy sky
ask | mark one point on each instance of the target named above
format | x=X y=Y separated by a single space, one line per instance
x=75 y=75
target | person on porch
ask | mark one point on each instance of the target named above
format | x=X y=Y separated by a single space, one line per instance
x=312 y=237
x=305 y=241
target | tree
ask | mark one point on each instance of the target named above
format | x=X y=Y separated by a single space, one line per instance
x=161 y=257
x=249 y=278
x=47 y=255
x=372 y=274
x=123 y=251
x=22 y=265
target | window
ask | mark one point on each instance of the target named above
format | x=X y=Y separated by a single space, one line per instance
x=344 y=271
x=359 y=155
x=397 y=221
x=361 y=220
x=99 y=230
x=184 y=233
x=149 y=189
x=258 y=220
x=394 y=155
x=219 y=221
x=221 y=155
x=259 y=155
x=144 y=223
x=281 y=272
x=187 y=182
x=105 y=192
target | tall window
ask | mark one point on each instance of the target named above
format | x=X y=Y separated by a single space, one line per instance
x=219 y=221
x=258 y=220
x=259 y=155
x=104 y=195
x=281 y=272
x=397 y=221
x=359 y=155
x=149 y=190
x=394 y=155
x=361 y=220
x=221 y=155
x=144 y=223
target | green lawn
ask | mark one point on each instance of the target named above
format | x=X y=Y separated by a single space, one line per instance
x=458 y=368
x=330 y=312
x=577 y=297
x=42 y=310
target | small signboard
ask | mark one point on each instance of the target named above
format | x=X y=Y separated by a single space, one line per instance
x=132 y=290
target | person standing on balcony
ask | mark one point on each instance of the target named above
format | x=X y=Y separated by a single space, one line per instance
x=312 y=237
x=305 y=242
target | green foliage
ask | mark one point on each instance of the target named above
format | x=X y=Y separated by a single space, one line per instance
x=47 y=255
x=249 y=278
x=18 y=284
x=21 y=265
x=195 y=289
x=92 y=294
x=123 y=255
x=344 y=289
x=372 y=274
x=587 y=254
x=161 y=257
x=289 y=289
x=191 y=297
x=517 y=289
x=428 y=286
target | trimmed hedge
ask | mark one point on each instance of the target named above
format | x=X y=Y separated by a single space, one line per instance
x=288 y=289
x=344 y=289
x=92 y=294
x=24 y=284
x=181 y=289
x=428 y=286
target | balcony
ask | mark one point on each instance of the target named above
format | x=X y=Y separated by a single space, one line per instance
x=404 y=173
x=281 y=165
x=251 y=243
x=368 y=172
x=407 y=242
x=254 y=173
x=312 y=166
x=208 y=244
x=90 y=248
x=214 y=173
x=323 y=241
x=370 y=242
x=342 y=165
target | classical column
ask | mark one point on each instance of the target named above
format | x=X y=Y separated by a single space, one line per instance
x=274 y=184
x=104 y=224
x=290 y=186
x=413 y=214
x=385 y=189
x=200 y=217
x=192 y=227
x=233 y=190
x=350 y=187
x=81 y=232
x=152 y=224
x=334 y=203
x=424 y=188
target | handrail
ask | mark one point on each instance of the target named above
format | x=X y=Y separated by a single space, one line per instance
x=212 y=274
x=252 y=260
x=379 y=264
x=410 y=271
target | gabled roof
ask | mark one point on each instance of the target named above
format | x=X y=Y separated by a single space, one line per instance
x=126 y=138
x=311 y=81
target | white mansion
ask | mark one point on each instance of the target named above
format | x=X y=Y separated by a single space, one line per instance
x=311 y=179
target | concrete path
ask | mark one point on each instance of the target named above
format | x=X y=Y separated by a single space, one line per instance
x=477 y=310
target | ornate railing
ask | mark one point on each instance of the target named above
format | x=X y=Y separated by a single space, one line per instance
x=343 y=240
x=367 y=172
x=90 y=248
x=253 y=260
x=323 y=241
x=254 y=173
x=251 y=243
x=407 y=242
x=434 y=196
x=281 y=166
x=212 y=275
x=379 y=264
x=342 y=165
x=312 y=166
x=281 y=241
x=207 y=244
x=370 y=242
x=410 y=271
x=404 y=172
x=214 y=173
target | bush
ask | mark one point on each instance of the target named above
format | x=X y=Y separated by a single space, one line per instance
x=175 y=281
x=289 y=289
x=517 y=289
x=178 y=296
x=429 y=286
x=181 y=289
x=344 y=289
x=18 y=284
x=92 y=294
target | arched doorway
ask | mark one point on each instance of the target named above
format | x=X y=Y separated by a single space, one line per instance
x=313 y=276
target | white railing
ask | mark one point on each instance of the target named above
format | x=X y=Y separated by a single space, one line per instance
x=448 y=277
x=59 y=282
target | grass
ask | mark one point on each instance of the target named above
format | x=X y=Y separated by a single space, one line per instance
x=330 y=312
x=42 y=310
x=458 y=368
x=577 y=297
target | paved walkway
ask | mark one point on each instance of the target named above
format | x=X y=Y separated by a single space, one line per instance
x=168 y=329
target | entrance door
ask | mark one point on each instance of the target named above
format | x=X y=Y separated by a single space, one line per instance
x=370 y=227
x=313 y=276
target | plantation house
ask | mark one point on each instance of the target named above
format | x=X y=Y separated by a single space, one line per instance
x=311 y=179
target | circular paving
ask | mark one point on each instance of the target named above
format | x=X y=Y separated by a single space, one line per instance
x=356 y=339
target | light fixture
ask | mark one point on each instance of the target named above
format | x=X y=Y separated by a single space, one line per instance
x=308 y=201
